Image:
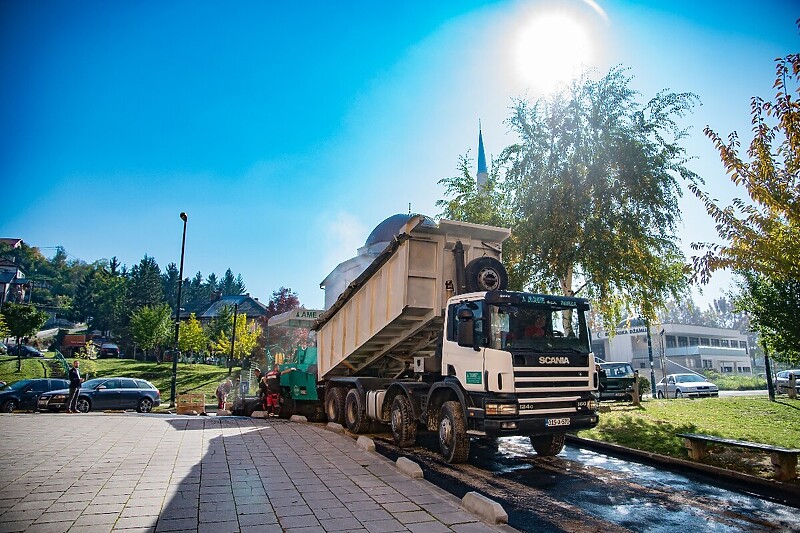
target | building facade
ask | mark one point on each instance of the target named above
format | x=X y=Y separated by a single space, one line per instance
x=676 y=347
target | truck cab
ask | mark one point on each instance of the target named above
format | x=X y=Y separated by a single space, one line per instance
x=523 y=360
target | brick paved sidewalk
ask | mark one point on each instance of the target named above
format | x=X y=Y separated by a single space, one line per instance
x=130 y=472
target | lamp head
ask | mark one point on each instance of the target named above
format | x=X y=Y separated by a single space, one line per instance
x=183 y=216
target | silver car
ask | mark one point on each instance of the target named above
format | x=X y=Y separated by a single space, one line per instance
x=686 y=386
x=782 y=381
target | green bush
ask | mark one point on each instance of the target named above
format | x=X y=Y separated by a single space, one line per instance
x=735 y=381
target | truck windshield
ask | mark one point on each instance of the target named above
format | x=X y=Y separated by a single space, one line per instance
x=538 y=328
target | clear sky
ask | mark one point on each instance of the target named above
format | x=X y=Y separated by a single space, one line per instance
x=288 y=130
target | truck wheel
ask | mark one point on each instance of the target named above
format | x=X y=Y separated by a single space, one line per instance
x=334 y=405
x=355 y=416
x=404 y=427
x=453 y=439
x=548 y=445
x=486 y=274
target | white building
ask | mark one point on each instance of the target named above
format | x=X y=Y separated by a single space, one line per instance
x=674 y=346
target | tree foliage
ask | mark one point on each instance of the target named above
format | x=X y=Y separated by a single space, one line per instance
x=247 y=334
x=191 y=337
x=145 y=284
x=151 y=326
x=22 y=321
x=590 y=193
x=761 y=234
x=284 y=299
x=773 y=306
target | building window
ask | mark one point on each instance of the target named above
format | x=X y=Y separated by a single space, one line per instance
x=727 y=369
x=743 y=345
x=724 y=343
x=683 y=342
x=704 y=341
x=707 y=363
x=694 y=341
x=641 y=365
x=744 y=369
x=714 y=342
x=671 y=341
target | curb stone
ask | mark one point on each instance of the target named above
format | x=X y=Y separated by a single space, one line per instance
x=409 y=467
x=485 y=508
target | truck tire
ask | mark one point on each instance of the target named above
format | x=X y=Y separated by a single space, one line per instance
x=355 y=415
x=548 y=445
x=334 y=405
x=486 y=274
x=453 y=439
x=404 y=427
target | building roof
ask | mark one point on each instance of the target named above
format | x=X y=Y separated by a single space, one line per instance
x=248 y=306
x=14 y=243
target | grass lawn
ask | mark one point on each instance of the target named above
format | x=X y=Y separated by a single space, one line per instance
x=198 y=378
x=653 y=426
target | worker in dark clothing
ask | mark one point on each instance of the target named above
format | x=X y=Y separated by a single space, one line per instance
x=75 y=381
x=272 y=382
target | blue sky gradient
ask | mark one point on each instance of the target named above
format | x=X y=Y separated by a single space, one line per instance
x=288 y=130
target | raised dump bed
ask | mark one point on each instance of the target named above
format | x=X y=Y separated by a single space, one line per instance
x=393 y=311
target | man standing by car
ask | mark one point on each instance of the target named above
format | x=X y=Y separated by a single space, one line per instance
x=74 y=386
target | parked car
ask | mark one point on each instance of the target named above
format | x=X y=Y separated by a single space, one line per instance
x=3 y=348
x=27 y=351
x=25 y=394
x=106 y=393
x=109 y=349
x=616 y=381
x=782 y=381
x=685 y=386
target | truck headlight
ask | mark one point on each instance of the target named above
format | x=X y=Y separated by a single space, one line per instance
x=501 y=409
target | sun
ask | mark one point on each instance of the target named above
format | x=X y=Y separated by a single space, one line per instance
x=550 y=50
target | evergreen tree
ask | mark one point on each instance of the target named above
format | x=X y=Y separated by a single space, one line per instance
x=145 y=287
x=169 y=284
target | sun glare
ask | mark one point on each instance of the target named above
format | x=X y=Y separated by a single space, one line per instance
x=550 y=50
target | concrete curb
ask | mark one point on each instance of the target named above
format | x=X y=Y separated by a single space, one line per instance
x=366 y=443
x=259 y=414
x=409 y=467
x=336 y=428
x=485 y=508
x=298 y=418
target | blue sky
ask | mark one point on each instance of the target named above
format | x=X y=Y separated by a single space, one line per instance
x=288 y=130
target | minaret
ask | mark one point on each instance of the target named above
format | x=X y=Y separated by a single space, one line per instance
x=483 y=175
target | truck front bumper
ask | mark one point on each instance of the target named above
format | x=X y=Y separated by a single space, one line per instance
x=508 y=427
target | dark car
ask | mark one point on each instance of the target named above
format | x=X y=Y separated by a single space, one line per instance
x=106 y=393
x=27 y=351
x=616 y=381
x=108 y=349
x=25 y=394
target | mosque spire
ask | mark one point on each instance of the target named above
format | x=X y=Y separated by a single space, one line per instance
x=483 y=174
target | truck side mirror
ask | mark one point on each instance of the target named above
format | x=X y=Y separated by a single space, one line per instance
x=466 y=328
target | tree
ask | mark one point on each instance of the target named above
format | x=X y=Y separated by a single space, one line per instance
x=230 y=285
x=247 y=334
x=761 y=235
x=220 y=325
x=773 y=307
x=145 y=287
x=22 y=321
x=169 y=284
x=151 y=326
x=284 y=299
x=4 y=331
x=191 y=337
x=590 y=193
x=111 y=292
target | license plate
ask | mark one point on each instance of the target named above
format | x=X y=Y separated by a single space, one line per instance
x=556 y=422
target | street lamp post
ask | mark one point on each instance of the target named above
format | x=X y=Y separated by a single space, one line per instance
x=178 y=318
x=650 y=357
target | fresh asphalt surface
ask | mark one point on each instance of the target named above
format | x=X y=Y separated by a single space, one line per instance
x=102 y=472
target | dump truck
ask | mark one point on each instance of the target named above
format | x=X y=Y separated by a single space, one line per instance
x=429 y=337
